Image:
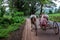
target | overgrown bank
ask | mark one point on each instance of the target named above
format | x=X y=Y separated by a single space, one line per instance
x=54 y=17
x=10 y=22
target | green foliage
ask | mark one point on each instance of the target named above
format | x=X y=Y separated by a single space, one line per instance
x=7 y=16
x=9 y=23
x=16 y=4
x=24 y=5
x=4 y=22
x=2 y=11
x=1 y=2
x=17 y=19
x=44 y=1
x=19 y=14
x=10 y=28
x=3 y=33
x=54 y=17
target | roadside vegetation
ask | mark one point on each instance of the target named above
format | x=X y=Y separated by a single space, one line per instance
x=10 y=23
x=54 y=17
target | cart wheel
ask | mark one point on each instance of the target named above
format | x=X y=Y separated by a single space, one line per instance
x=56 y=28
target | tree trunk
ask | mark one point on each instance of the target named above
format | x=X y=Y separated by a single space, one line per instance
x=41 y=9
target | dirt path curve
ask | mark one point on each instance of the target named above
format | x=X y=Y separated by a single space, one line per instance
x=42 y=35
x=27 y=34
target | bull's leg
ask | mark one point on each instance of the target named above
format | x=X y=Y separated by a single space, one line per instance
x=32 y=26
x=35 y=28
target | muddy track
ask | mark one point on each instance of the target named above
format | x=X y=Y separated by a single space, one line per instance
x=41 y=35
x=27 y=34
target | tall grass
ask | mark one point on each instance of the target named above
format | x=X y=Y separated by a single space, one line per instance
x=10 y=23
x=54 y=17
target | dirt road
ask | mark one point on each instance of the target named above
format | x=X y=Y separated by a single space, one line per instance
x=42 y=35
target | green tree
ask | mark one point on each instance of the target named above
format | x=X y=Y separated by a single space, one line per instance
x=42 y=3
x=16 y=4
x=2 y=9
x=23 y=5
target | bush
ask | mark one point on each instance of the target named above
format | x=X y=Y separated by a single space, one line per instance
x=54 y=17
x=19 y=14
x=9 y=23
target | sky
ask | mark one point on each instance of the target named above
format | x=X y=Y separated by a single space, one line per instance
x=57 y=2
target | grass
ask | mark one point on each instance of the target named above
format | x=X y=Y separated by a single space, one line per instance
x=54 y=17
x=9 y=23
x=5 y=32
